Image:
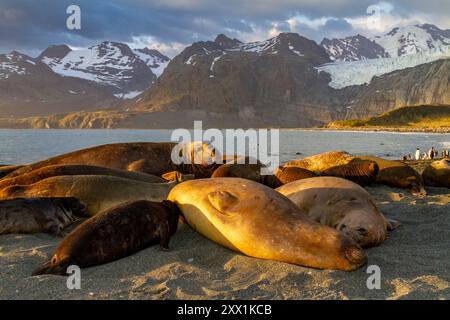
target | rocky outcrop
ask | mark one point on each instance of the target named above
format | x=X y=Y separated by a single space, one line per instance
x=353 y=48
x=426 y=84
x=272 y=82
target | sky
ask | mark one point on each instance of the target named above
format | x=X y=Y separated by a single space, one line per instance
x=29 y=26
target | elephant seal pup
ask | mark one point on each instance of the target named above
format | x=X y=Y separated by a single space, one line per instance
x=398 y=175
x=437 y=174
x=149 y=157
x=339 y=164
x=340 y=204
x=39 y=215
x=69 y=170
x=255 y=220
x=97 y=192
x=114 y=234
x=284 y=175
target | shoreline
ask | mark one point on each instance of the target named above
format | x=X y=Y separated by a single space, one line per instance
x=343 y=129
x=394 y=129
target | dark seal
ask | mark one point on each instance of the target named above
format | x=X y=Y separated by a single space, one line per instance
x=114 y=234
x=39 y=215
x=285 y=175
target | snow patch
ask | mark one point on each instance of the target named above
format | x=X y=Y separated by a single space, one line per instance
x=155 y=63
x=129 y=95
x=215 y=60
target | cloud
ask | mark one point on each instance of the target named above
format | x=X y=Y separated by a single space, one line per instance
x=32 y=25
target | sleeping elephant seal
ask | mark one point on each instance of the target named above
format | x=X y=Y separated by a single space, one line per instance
x=340 y=204
x=339 y=164
x=437 y=174
x=284 y=175
x=149 y=157
x=398 y=175
x=253 y=219
x=114 y=234
x=39 y=215
x=72 y=170
x=97 y=192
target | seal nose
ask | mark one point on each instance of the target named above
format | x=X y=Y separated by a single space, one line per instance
x=356 y=255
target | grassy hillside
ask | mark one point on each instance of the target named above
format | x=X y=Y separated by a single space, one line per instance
x=418 y=117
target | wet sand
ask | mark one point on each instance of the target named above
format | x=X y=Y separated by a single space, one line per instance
x=414 y=262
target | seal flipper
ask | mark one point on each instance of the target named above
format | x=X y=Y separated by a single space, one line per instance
x=164 y=235
x=52 y=267
x=392 y=224
x=222 y=200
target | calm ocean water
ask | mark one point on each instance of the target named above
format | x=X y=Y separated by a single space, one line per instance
x=24 y=146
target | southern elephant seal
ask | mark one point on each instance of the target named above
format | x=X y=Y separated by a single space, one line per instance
x=340 y=204
x=255 y=220
x=398 y=175
x=149 y=157
x=66 y=170
x=97 y=192
x=252 y=171
x=437 y=174
x=339 y=164
x=284 y=175
x=39 y=215
x=114 y=234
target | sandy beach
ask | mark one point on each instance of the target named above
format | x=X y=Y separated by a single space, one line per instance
x=414 y=262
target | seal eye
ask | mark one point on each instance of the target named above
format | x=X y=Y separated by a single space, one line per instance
x=362 y=231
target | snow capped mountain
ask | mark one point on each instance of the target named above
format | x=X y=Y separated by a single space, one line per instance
x=108 y=63
x=153 y=59
x=15 y=63
x=397 y=42
x=404 y=47
x=346 y=74
x=29 y=87
x=285 y=44
x=354 y=48
x=413 y=39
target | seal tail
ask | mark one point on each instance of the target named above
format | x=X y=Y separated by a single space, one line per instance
x=50 y=268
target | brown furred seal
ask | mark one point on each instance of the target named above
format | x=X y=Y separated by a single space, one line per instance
x=236 y=170
x=398 y=175
x=114 y=234
x=284 y=175
x=149 y=157
x=339 y=164
x=39 y=215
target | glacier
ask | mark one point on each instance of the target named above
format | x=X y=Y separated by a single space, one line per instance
x=344 y=74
